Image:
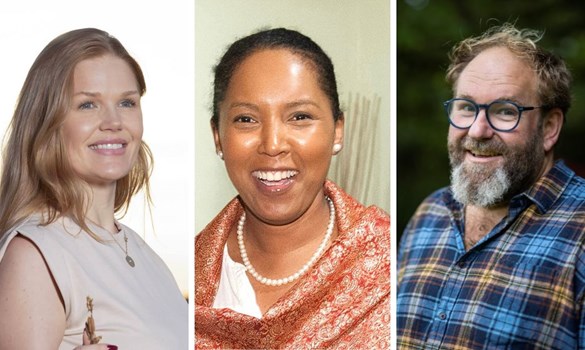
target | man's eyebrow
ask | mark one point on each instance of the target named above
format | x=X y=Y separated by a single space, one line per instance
x=500 y=98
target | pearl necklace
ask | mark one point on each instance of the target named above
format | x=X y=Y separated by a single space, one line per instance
x=296 y=275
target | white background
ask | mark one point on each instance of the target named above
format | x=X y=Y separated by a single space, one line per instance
x=160 y=36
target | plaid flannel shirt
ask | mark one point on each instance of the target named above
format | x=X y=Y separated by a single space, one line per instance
x=520 y=287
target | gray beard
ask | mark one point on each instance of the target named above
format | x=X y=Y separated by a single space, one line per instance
x=472 y=186
x=482 y=185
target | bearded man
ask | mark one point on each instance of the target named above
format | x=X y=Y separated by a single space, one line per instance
x=497 y=260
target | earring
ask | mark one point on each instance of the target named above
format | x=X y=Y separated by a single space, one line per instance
x=220 y=154
x=336 y=148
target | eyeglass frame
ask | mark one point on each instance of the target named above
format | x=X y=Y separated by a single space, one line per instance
x=486 y=106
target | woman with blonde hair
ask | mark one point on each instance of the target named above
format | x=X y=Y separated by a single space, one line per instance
x=70 y=273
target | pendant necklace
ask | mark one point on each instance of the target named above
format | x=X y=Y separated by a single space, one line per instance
x=129 y=259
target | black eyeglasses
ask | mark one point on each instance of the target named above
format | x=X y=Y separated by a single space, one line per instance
x=501 y=115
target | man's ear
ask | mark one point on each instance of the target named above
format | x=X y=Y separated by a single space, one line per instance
x=551 y=128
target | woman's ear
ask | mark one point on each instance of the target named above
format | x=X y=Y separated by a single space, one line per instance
x=338 y=138
x=551 y=128
x=215 y=131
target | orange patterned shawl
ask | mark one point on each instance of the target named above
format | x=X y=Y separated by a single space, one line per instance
x=341 y=303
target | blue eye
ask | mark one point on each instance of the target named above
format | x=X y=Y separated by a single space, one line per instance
x=87 y=105
x=511 y=112
x=468 y=108
x=128 y=103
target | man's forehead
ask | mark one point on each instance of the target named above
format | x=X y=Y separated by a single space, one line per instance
x=499 y=73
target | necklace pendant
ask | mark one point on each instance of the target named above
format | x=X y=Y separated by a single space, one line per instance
x=130 y=261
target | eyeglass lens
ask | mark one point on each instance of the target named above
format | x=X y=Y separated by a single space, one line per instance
x=502 y=115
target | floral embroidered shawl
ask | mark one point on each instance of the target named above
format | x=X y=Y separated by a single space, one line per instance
x=343 y=302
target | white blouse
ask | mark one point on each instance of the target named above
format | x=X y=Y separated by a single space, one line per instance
x=235 y=290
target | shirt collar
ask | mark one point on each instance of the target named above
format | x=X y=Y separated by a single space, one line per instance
x=545 y=192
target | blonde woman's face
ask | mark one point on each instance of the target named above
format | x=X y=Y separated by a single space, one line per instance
x=102 y=130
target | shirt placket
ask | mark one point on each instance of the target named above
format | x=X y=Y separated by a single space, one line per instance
x=449 y=291
x=455 y=279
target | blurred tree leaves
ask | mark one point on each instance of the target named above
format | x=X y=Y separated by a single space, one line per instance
x=426 y=31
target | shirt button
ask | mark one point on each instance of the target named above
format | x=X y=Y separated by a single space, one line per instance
x=442 y=315
x=461 y=264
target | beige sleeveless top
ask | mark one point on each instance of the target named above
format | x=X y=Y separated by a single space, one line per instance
x=137 y=307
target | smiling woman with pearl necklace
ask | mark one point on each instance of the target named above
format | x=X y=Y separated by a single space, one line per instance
x=292 y=261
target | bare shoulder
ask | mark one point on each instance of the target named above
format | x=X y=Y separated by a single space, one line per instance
x=30 y=304
x=21 y=248
x=21 y=261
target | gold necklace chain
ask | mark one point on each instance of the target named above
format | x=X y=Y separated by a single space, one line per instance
x=129 y=259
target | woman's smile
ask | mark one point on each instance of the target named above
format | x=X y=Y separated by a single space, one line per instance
x=109 y=147
x=275 y=181
x=276 y=131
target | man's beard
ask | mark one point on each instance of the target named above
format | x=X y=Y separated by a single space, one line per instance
x=480 y=184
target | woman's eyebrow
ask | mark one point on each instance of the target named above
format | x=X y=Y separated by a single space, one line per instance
x=95 y=94
x=244 y=105
x=302 y=102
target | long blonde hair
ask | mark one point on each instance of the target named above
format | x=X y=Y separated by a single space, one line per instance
x=36 y=173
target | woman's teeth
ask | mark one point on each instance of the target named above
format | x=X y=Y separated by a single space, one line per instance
x=107 y=146
x=274 y=175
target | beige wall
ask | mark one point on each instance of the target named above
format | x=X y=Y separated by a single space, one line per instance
x=355 y=34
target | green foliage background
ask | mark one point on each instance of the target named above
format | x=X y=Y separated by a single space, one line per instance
x=426 y=31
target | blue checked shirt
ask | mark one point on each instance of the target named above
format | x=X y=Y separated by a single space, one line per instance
x=520 y=287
